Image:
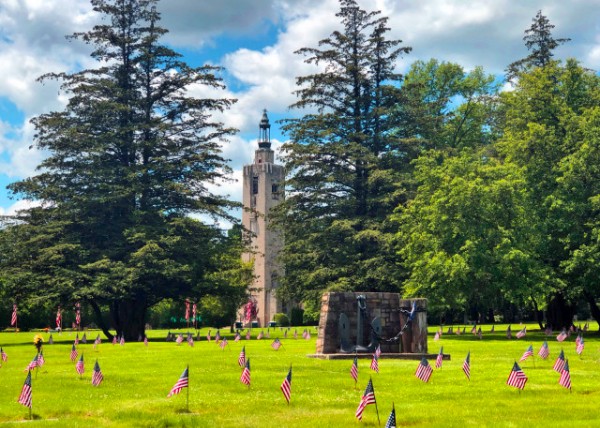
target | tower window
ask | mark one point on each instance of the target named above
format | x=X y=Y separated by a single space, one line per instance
x=255 y=185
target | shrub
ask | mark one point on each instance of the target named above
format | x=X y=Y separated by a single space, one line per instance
x=282 y=320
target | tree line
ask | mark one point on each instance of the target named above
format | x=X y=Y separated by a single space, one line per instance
x=434 y=183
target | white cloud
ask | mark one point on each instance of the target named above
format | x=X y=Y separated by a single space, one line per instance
x=471 y=32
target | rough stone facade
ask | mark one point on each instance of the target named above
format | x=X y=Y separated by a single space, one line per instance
x=387 y=307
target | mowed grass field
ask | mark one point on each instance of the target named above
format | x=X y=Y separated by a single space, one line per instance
x=137 y=380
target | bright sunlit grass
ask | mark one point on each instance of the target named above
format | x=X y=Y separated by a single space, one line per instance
x=137 y=380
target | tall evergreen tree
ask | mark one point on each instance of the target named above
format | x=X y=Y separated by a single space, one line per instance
x=129 y=158
x=345 y=166
x=540 y=42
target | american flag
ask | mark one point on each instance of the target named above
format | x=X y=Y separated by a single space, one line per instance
x=544 y=350
x=77 y=339
x=194 y=308
x=97 y=341
x=295 y=334
x=77 y=313
x=522 y=333
x=565 y=376
x=439 y=358
x=33 y=364
x=375 y=363
x=457 y=332
x=223 y=343
x=562 y=336
x=122 y=340
x=580 y=345
x=179 y=339
x=559 y=364
x=286 y=386
x=528 y=353
x=237 y=337
x=114 y=341
x=276 y=344
x=304 y=333
x=25 y=397
x=480 y=333
x=183 y=382
x=508 y=333
x=208 y=336
x=97 y=376
x=378 y=351
x=79 y=367
x=191 y=341
x=3 y=355
x=40 y=359
x=245 y=378
x=436 y=337
x=467 y=366
x=548 y=330
x=13 y=318
x=424 y=370
x=517 y=378
x=73 y=353
x=474 y=329
x=145 y=340
x=242 y=357
x=218 y=336
x=58 y=318
x=307 y=336
x=354 y=370
x=260 y=335
x=248 y=335
x=367 y=398
x=391 y=422
x=187 y=310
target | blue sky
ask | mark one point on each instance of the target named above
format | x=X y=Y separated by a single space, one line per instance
x=254 y=40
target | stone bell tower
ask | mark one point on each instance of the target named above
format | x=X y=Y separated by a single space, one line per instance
x=263 y=189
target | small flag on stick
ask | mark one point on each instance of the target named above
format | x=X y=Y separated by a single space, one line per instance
x=354 y=370
x=367 y=398
x=242 y=357
x=183 y=382
x=559 y=364
x=565 y=376
x=544 y=351
x=25 y=397
x=467 y=366
x=424 y=370
x=286 y=386
x=97 y=376
x=517 y=378
x=245 y=378
x=528 y=353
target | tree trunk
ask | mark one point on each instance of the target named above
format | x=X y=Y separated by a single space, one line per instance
x=129 y=318
x=593 y=306
x=100 y=320
x=559 y=314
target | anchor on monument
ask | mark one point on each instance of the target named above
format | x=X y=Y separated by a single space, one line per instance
x=344 y=330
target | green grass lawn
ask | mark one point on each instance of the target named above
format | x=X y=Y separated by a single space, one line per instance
x=137 y=380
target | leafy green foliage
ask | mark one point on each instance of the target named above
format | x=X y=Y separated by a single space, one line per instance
x=129 y=158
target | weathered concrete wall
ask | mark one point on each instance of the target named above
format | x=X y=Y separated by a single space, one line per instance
x=385 y=306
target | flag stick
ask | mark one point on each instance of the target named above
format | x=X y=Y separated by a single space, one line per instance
x=187 y=397
x=376 y=409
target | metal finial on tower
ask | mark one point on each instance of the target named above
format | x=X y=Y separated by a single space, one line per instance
x=264 y=135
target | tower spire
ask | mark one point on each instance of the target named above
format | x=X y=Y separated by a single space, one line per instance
x=264 y=133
